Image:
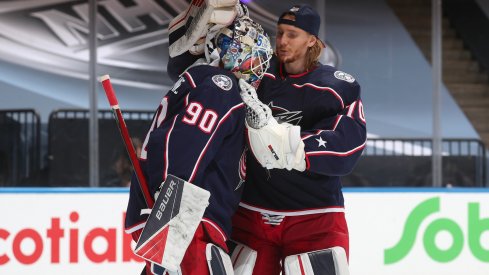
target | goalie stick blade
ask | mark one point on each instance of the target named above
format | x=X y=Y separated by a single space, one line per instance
x=171 y=225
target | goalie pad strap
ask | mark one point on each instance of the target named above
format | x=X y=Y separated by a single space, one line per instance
x=331 y=261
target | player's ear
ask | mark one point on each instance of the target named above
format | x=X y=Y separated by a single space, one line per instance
x=311 y=41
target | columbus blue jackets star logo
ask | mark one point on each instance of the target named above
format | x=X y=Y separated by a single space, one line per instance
x=321 y=142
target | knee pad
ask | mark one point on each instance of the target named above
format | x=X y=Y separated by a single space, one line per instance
x=243 y=258
x=218 y=260
x=331 y=261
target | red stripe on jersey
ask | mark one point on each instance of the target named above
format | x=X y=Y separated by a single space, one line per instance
x=186 y=100
x=308 y=163
x=320 y=131
x=190 y=79
x=319 y=88
x=304 y=211
x=269 y=75
x=197 y=163
x=135 y=228
x=339 y=154
x=221 y=232
x=299 y=75
x=361 y=113
x=351 y=108
x=337 y=122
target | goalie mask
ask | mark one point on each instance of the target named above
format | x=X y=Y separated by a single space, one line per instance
x=244 y=49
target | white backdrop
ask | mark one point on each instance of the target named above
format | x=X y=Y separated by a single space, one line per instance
x=79 y=231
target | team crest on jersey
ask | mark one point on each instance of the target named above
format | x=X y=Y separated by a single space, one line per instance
x=344 y=76
x=223 y=82
x=242 y=170
x=284 y=115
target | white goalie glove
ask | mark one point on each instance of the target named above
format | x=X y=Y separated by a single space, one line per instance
x=274 y=145
x=197 y=19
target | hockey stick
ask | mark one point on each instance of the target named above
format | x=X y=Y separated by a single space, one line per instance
x=114 y=105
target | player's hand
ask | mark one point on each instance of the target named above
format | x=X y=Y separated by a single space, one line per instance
x=274 y=145
x=257 y=114
x=277 y=146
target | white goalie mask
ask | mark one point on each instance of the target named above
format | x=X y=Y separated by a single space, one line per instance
x=244 y=48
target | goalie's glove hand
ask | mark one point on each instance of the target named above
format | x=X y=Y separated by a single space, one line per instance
x=274 y=145
x=257 y=113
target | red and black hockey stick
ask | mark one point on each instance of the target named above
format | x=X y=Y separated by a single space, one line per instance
x=114 y=104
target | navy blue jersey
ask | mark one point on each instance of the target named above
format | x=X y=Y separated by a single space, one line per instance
x=326 y=103
x=197 y=134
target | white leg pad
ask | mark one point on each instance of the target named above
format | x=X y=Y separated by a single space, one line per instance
x=218 y=260
x=331 y=261
x=244 y=259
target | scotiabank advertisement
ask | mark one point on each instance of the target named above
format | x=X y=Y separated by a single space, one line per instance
x=71 y=232
x=392 y=232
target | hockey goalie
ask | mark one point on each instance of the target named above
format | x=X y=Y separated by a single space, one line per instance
x=193 y=153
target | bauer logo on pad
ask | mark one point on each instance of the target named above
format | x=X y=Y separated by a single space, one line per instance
x=171 y=225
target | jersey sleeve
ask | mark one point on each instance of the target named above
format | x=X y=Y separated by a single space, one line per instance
x=342 y=93
x=191 y=138
x=178 y=64
x=336 y=143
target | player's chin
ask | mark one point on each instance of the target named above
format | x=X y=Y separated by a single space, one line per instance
x=283 y=57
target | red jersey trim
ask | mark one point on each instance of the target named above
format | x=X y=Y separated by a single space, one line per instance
x=269 y=75
x=329 y=209
x=190 y=79
x=135 y=227
x=216 y=227
x=339 y=154
x=319 y=88
x=320 y=131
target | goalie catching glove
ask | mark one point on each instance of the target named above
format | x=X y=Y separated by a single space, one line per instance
x=188 y=30
x=274 y=145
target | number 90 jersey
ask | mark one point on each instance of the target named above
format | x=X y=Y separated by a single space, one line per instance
x=197 y=134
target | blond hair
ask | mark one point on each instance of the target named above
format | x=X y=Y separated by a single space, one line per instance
x=312 y=55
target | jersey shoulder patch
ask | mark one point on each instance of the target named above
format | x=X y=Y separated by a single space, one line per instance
x=222 y=81
x=344 y=76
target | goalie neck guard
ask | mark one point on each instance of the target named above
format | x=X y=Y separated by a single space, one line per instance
x=244 y=49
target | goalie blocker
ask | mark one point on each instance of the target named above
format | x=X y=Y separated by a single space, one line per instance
x=177 y=212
